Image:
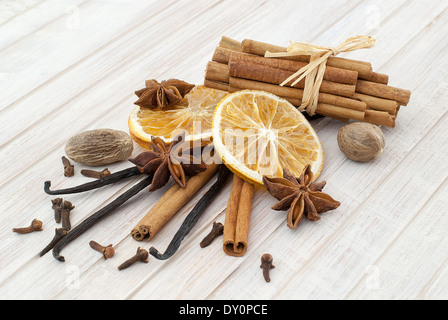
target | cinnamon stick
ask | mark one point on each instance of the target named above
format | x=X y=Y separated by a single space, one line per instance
x=194 y=215
x=374 y=101
x=327 y=110
x=331 y=74
x=354 y=111
x=222 y=55
x=236 y=226
x=169 y=204
x=221 y=72
x=379 y=118
x=360 y=102
x=218 y=85
x=268 y=74
x=230 y=43
x=378 y=78
x=383 y=91
x=217 y=72
x=338 y=112
x=378 y=104
x=288 y=92
x=364 y=69
x=259 y=48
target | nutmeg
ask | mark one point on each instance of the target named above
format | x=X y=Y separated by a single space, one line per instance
x=99 y=147
x=361 y=142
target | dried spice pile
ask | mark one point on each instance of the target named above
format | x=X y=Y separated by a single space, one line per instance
x=244 y=90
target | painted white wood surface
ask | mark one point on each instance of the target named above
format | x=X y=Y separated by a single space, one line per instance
x=68 y=66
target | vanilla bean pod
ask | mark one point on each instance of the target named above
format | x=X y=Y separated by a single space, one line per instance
x=110 y=179
x=97 y=216
x=193 y=216
x=59 y=234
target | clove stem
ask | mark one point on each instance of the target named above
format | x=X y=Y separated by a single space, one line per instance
x=96 y=174
x=108 y=252
x=141 y=255
x=193 y=217
x=113 y=178
x=97 y=216
x=217 y=230
x=36 y=225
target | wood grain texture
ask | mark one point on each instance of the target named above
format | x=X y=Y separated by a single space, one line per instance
x=74 y=65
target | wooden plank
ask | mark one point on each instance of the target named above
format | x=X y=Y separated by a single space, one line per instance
x=56 y=46
x=292 y=21
x=10 y=9
x=413 y=259
x=30 y=21
x=437 y=287
x=377 y=20
x=208 y=273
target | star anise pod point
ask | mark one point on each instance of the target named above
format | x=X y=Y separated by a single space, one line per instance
x=302 y=196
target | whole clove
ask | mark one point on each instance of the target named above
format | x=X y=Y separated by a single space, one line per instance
x=217 y=230
x=96 y=174
x=108 y=252
x=69 y=169
x=266 y=265
x=59 y=234
x=141 y=255
x=66 y=209
x=36 y=225
x=56 y=205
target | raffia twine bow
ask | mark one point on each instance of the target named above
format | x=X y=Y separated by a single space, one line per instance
x=314 y=71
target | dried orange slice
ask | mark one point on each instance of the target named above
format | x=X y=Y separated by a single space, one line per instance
x=257 y=133
x=194 y=114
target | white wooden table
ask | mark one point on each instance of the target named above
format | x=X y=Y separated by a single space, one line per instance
x=73 y=65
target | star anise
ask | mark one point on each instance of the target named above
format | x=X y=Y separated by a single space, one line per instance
x=177 y=160
x=161 y=95
x=301 y=196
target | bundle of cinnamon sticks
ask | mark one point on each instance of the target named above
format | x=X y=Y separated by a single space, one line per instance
x=350 y=90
